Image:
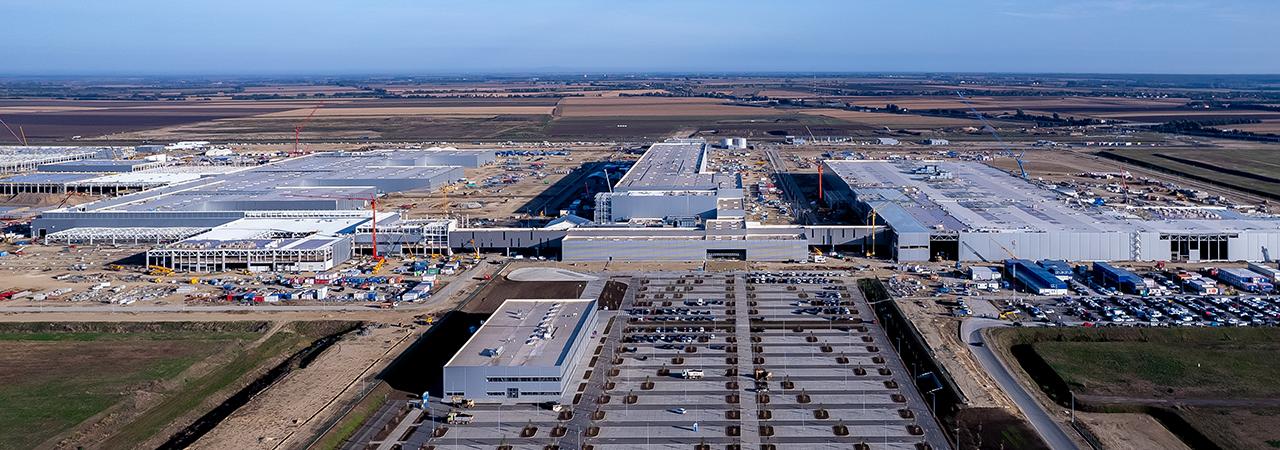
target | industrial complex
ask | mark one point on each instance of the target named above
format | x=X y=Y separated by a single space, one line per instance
x=967 y=211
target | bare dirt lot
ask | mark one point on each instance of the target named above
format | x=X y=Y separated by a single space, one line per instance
x=296 y=407
x=500 y=289
x=995 y=428
x=1129 y=431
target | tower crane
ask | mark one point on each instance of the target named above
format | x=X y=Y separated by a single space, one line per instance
x=373 y=203
x=444 y=203
x=993 y=133
x=297 y=131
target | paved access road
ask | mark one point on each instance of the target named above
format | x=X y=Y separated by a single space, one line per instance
x=1040 y=420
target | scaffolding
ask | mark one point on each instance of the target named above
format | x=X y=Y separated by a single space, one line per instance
x=412 y=237
x=25 y=159
x=306 y=254
x=118 y=236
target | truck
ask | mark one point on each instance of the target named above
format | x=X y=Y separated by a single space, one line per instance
x=388 y=305
x=692 y=374
x=818 y=258
x=459 y=418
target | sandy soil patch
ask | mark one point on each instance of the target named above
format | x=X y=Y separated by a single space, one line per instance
x=289 y=408
x=1130 y=431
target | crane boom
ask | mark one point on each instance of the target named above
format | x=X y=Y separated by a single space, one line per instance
x=297 y=131
x=993 y=133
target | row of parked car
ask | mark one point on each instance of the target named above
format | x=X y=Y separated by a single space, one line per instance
x=1176 y=310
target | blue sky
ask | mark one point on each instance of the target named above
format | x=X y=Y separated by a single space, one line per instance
x=326 y=37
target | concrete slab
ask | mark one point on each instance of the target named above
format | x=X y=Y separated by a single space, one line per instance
x=547 y=274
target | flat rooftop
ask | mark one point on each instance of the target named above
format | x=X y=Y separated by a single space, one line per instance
x=284 y=234
x=97 y=165
x=318 y=182
x=529 y=333
x=981 y=198
x=675 y=164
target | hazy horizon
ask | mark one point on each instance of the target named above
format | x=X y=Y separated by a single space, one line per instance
x=134 y=38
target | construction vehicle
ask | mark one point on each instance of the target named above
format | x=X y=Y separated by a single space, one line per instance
x=115 y=267
x=459 y=418
x=761 y=374
x=388 y=305
x=463 y=402
x=160 y=271
x=1011 y=315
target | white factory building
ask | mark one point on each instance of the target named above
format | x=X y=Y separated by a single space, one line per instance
x=525 y=353
x=969 y=211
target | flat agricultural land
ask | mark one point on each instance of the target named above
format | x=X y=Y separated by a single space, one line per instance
x=1226 y=366
x=1064 y=106
x=1197 y=374
x=896 y=121
x=53 y=381
x=130 y=384
x=1242 y=165
x=651 y=106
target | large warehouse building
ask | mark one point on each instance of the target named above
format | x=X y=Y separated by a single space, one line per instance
x=317 y=183
x=526 y=352
x=672 y=180
x=973 y=212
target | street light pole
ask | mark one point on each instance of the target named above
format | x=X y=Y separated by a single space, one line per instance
x=1073 y=406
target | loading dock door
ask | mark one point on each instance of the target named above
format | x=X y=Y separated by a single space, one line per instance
x=513 y=392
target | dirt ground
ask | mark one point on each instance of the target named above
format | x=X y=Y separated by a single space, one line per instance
x=1130 y=431
x=996 y=429
x=943 y=335
x=295 y=408
x=1236 y=428
x=500 y=289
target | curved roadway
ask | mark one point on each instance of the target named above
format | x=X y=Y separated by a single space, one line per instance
x=1040 y=420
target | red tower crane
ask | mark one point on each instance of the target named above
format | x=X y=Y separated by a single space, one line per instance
x=298 y=129
x=373 y=202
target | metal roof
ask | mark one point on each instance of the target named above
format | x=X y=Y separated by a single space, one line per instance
x=980 y=198
x=520 y=328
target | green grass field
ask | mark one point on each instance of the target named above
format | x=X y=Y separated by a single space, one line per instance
x=1134 y=365
x=56 y=376
x=52 y=382
x=1146 y=369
